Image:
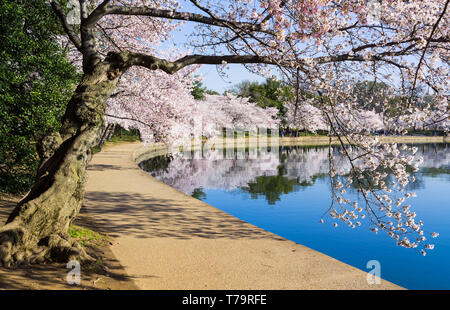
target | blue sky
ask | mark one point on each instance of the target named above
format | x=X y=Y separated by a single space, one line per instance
x=236 y=73
x=211 y=78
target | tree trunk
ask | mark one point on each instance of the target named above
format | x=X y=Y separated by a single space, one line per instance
x=36 y=231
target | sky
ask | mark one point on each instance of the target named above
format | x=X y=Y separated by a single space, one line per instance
x=211 y=79
x=235 y=73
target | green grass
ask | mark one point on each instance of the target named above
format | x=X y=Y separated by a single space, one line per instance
x=116 y=139
x=120 y=135
x=85 y=236
x=89 y=239
x=96 y=149
x=124 y=139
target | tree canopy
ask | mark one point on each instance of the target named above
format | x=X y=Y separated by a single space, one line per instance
x=199 y=91
x=271 y=93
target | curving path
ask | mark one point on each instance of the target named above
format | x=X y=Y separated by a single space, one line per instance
x=167 y=240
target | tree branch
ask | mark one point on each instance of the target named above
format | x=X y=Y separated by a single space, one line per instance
x=426 y=47
x=90 y=55
x=155 y=63
x=103 y=10
x=66 y=26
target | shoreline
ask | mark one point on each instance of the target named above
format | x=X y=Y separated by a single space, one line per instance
x=167 y=240
x=164 y=239
x=156 y=149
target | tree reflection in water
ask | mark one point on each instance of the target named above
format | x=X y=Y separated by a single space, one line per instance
x=272 y=174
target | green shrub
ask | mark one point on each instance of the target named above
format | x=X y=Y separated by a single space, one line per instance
x=36 y=82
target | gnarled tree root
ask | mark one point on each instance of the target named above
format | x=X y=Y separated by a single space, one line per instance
x=19 y=247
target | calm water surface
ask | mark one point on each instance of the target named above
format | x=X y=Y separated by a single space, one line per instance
x=286 y=191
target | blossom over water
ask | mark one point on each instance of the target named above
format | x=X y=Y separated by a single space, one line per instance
x=302 y=166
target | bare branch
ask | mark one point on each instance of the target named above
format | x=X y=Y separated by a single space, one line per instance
x=155 y=63
x=101 y=11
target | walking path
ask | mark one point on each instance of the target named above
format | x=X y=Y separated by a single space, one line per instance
x=167 y=240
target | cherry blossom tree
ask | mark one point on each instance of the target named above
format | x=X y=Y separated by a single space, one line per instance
x=305 y=117
x=325 y=44
x=425 y=119
x=371 y=120
x=163 y=109
x=234 y=112
x=159 y=105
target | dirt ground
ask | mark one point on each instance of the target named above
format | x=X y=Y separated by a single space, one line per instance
x=53 y=276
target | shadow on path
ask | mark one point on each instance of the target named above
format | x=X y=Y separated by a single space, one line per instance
x=53 y=276
x=143 y=216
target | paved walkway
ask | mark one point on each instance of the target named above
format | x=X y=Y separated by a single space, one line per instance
x=167 y=240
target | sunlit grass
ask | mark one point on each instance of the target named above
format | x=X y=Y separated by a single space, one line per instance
x=85 y=236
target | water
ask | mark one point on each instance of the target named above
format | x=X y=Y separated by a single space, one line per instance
x=287 y=191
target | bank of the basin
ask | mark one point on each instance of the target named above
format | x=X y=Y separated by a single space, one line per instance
x=167 y=240
x=152 y=150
